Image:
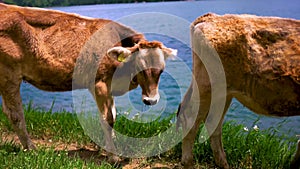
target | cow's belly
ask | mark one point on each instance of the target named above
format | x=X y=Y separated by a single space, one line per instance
x=49 y=80
x=269 y=107
x=275 y=98
x=44 y=84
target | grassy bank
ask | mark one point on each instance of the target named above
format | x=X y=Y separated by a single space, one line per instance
x=62 y=144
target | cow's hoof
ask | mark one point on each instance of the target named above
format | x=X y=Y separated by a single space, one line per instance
x=188 y=166
x=295 y=164
x=113 y=159
x=220 y=160
x=223 y=164
x=187 y=163
x=30 y=146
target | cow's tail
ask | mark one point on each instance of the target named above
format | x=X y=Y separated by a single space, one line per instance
x=178 y=122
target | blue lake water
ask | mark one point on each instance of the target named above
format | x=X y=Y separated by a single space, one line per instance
x=157 y=21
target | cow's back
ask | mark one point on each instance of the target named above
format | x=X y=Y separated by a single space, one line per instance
x=61 y=33
x=46 y=43
x=260 y=56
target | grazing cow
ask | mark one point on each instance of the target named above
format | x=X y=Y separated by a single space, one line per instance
x=261 y=61
x=43 y=47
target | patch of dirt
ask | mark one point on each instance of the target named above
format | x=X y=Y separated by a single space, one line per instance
x=92 y=153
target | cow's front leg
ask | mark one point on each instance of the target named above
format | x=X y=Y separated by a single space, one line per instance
x=187 y=158
x=107 y=110
x=189 y=119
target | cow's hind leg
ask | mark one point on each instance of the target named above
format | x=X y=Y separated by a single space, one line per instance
x=12 y=108
x=216 y=139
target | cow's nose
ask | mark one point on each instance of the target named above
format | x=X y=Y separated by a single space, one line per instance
x=149 y=101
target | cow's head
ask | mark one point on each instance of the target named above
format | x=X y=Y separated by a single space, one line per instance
x=144 y=63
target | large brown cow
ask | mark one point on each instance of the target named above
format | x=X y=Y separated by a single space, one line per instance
x=43 y=47
x=261 y=61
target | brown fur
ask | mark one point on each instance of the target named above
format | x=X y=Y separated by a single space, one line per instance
x=43 y=47
x=261 y=58
x=153 y=44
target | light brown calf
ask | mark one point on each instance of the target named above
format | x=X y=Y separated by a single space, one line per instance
x=261 y=61
x=43 y=47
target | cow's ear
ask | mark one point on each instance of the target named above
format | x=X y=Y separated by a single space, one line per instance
x=119 y=53
x=169 y=53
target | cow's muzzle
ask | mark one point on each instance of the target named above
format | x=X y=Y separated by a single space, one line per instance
x=151 y=100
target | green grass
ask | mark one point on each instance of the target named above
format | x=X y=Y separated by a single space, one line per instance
x=61 y=126
x=250 y=148
x=245 y=149
x=14 y=157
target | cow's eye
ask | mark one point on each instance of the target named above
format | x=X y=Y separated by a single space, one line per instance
x=134 y=80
